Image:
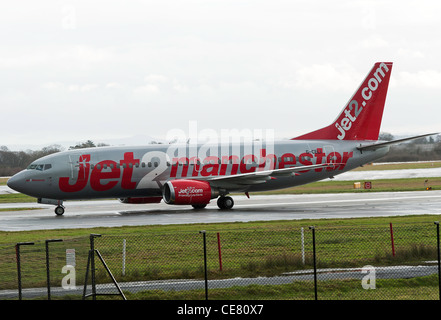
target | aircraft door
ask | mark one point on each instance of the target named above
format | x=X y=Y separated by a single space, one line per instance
x=79 y=167
x=331 y=157
x=330 y=153
x=72 y=166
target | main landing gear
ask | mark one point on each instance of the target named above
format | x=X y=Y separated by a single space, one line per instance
x=225 y=202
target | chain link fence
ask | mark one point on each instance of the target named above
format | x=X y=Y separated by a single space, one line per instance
x=390 y=262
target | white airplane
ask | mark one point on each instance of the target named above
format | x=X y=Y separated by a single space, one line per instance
x=194 y=175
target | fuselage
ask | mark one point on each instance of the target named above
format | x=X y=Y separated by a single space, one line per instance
x=121 y=172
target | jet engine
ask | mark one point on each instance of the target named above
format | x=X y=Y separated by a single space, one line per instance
x=190 y=192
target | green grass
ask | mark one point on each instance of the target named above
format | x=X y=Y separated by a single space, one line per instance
x=423 y=288
x=250 y=249
x=16 y=198
x=400 y=166
x=382 y=185
x=18 y=209
x=386 y=289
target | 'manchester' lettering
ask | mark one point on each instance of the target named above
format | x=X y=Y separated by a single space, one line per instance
x=106 y=174
x=215 y=166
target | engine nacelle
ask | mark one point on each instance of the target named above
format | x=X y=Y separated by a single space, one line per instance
x=141 y=200
x=191 y=192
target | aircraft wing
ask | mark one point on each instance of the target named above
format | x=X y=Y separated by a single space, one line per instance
x=244 y=179
x=379 y=145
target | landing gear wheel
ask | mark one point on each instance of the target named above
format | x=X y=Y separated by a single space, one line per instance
x=198 y=206
x=59 y=211
x=225 y=203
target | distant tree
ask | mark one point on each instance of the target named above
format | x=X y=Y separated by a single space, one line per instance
x=82 y=145
x=385 y=136
x=12 y=162
x=423 y=140
x=87 y=144
x=53 y=148
x=102 y=145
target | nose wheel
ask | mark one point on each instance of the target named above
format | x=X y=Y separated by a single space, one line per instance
x=59 y=211
x=225 y=203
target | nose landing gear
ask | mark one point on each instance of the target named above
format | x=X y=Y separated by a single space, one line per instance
x=59 y=210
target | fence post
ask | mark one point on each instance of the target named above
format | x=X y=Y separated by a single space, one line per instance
x=220 y=252
x=314 y=258
x=124 y=258
x=48 y=277
x=439 y=260
x=204 y=236
x=392 y=239
x=91 y=262
x=17 y=253
x=303 y=246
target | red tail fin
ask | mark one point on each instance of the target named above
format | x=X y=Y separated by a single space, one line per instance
x=361 y=118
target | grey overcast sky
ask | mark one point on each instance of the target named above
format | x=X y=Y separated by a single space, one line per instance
x=77 y=70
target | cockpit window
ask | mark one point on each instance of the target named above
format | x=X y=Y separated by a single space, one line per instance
x=39 y=167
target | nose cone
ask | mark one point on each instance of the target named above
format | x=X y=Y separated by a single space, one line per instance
x=16 y=182
x=29 y=182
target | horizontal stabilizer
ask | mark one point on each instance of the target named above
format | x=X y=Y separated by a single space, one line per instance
x=376 y=146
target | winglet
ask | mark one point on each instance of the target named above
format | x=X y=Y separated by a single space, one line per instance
x=361 y=117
